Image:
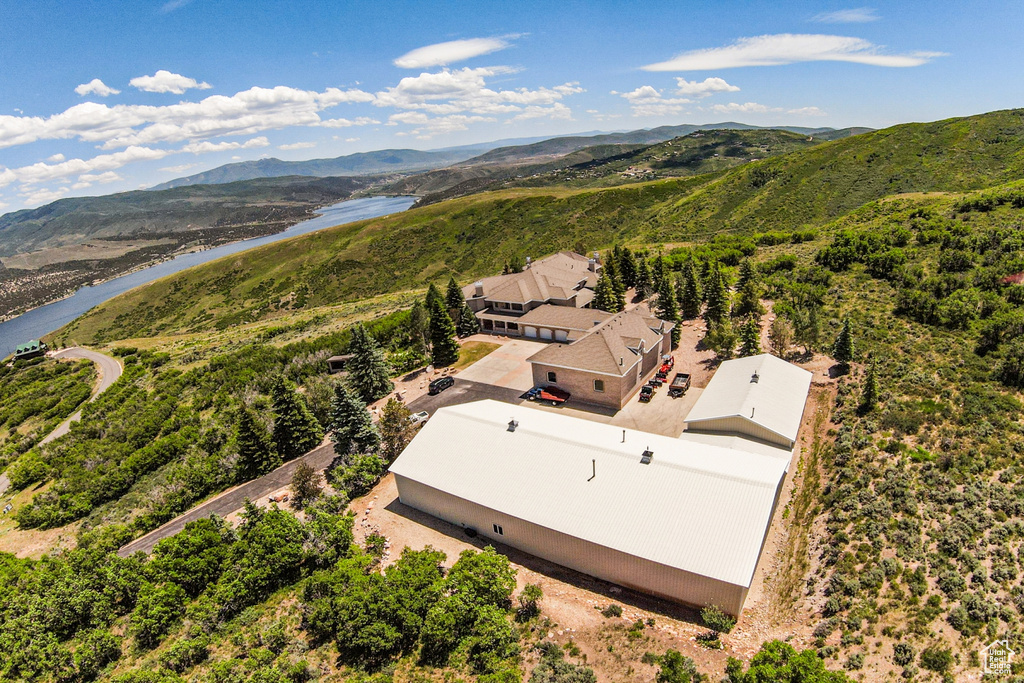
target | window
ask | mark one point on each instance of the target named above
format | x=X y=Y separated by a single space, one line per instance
x=552 y=377
x=517 y=307
x=513 y=326
x=498 y=530
x=599 y=385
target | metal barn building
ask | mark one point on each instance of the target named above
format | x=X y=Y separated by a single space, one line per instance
x=681 y=518
x=760 y=397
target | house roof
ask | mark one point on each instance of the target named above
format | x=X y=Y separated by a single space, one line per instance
x=31 y=345
x=610 y=348
x=565 y=317
x=558 y=276
x=697 y=507
x=775 y=401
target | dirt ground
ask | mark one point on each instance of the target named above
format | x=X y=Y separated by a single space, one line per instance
x=572 y=601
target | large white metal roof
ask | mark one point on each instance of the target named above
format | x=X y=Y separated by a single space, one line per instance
x=698 y=507
x=774 y=400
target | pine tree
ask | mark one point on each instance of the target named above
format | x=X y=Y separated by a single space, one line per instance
x=369 y=373
x=604 y=294
x=747 y=273
x=717 y=309
x=256 y=454
x=690 y=300
x=750 y=337
x=643 y=279
x=869 y=395
x=296 y=431
x=396 y=430
x=417 y=328
x=657 y=272
x=468 y=323
x=612 y=272
x=444 y=350
x=628 y=264
x=352 y=428
x=842 y=349
x=432 y=295
x=454 y=301
x=668 y=309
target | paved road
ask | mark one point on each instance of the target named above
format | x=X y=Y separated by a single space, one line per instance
x=464 y=391
x=232 y=499
x=109 y=369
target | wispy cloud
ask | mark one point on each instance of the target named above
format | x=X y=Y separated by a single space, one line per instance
x=442 y=54
x=789 y=48
x=856 y=15
x=169 y=7
x=165 y=81
x=705 y=88
x=649 y=101
x=807 y=111
x=297 y=145
x=745 y=108
x=96 y=87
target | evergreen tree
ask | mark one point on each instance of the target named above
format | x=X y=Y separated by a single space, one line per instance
x=369 y=373
x=352 y=428
x=628 y=267
x=842 y=349
x=296 y=431
x=433 y=295
x=657 y=272
x=749 y=301
x=454 y=301
x=444 y=350
x=612 y=272
x=418 y=327
x=396 y=430
x=667 y=309
x=643 y=282
x=869 y=395
x=750 y=337
x=256 y=454
x=717 y=293
x=690 y=299
x=468 y=323
x=721 y=338
x=604 y=294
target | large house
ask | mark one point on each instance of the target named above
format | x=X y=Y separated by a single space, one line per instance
x=681 y=518
x=503 y=302
x=606 y=363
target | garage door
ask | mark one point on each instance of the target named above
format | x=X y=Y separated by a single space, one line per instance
x=545 y=334
x=561 y=335
x=530 y=332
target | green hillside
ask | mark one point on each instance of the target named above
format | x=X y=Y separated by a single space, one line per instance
x=472 y=236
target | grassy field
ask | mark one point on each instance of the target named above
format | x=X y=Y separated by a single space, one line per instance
x=472 y=351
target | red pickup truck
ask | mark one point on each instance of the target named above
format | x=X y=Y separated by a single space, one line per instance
x=553 y=394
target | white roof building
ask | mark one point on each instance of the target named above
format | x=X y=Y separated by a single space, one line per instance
x=760 y=397
x=688 y=525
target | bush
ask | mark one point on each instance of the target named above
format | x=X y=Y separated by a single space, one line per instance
x=716 y=619
x=935 y=658
x=902 y=654
x=612 y=611
x=675 y=668
x=185 y=654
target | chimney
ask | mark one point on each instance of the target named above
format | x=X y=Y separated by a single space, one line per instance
x=529 y=261
x=592 y=265
x=478 y=289
x=597 y=256
x=512 y=424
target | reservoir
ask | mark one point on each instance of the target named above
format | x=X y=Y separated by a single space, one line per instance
x=45 y=319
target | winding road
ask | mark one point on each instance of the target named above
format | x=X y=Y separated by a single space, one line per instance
x=108 y=370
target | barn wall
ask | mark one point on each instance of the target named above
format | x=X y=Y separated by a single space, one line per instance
x=583 y=556
x=738 y=426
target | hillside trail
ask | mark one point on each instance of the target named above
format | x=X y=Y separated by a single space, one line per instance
x=108 y=371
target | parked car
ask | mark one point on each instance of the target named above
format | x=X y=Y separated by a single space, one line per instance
x=440 y=384
x=419 y=418
x=646 y=392
x=656 y=381
x=533 y=394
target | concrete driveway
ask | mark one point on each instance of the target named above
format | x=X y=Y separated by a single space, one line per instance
x=505 y=367
x=464 y=391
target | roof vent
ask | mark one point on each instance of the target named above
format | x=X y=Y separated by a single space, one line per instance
x=529 y=261
x=647 y=456
x=512 y=424
x=754 y=378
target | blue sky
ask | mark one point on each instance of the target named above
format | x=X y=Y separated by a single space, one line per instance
x=99 y=97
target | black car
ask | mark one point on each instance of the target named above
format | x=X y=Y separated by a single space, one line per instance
x=440 y=384
x=646 y=392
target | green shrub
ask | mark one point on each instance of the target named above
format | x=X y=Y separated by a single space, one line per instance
x=716 y=619
x=612 y=611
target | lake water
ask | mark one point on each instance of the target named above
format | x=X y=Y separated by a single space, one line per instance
x=45 y=319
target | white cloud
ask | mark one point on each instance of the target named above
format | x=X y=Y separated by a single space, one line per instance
x=745 y=108
x=789 y=48
x=88 y=179
x=55 y=158
x=441 y=54
x=709 y=86
x=426 y=127
x=165 y=81
x=206 y=146
x=557 y=111
x=244 y=113
x=649 y=101
x=345 y=123
x=351 y=139
x=807 y=111
x=34 y=197
x=96 y=87
x=297 y=145
x=856 y=15
x=177 y=169
x=173 y=5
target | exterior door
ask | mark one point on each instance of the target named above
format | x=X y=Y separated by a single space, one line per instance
x=561 y=335
x=545 y=334
x=530 y=332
